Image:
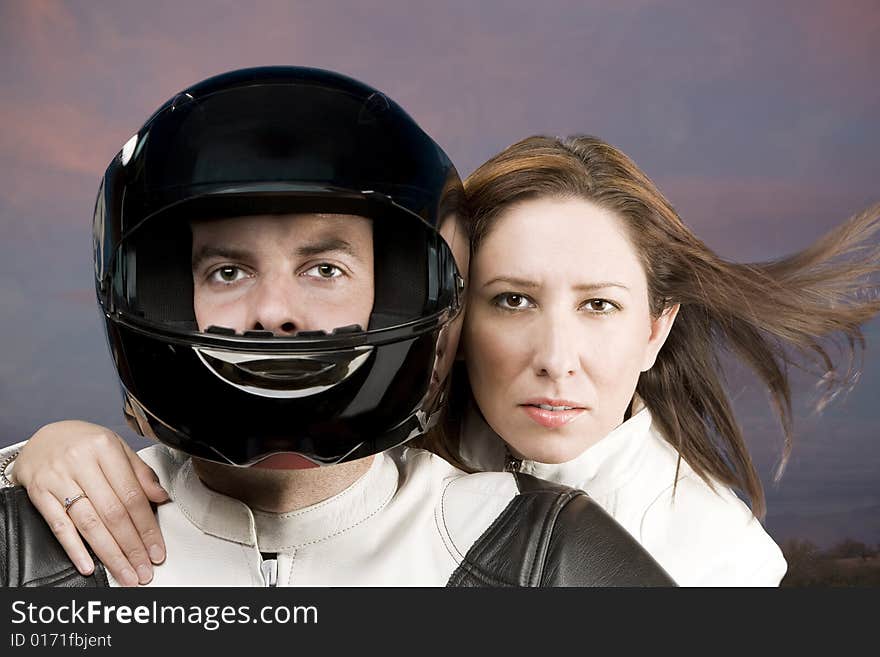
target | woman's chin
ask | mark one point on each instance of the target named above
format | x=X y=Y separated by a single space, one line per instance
x=550 y=454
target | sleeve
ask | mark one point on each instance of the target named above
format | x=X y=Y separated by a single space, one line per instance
x=9 y=452
x=706 y=537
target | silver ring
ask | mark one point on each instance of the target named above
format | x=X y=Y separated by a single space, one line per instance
x=70 y=501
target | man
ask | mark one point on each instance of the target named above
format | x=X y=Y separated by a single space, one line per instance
x=277 y=258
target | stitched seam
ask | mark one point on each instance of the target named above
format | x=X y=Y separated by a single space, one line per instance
x=48 y=580
x=651 y=506
x=530 y=572
x=248 y=559
x=490 y=536
x=12 y=545
x=543 y=539
x=14 y=534
x=457 y=556
x=185 y=511
x=319 y=505
x=547 y=526
x=440 y=525
x=193 y=522
x=292 y=545
x=546 y=534
x=342 y=531
x=481 y=575
x=561 y=502
x=443 y=538
x=12 y=512
x=531 y=496
x=292 y=563
x=186 y=514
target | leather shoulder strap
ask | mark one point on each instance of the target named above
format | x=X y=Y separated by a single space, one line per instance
x=553 y=535
x=30 y=555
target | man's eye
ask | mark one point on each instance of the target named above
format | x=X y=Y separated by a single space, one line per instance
x=511 y=301
x=227 y=274
x=600 y=306
x=324 y=270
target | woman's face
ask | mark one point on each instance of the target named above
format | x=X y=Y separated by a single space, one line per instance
x=558 y=326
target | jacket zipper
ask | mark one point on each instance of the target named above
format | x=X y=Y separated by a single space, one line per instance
x=511 y=463
x=269 y=570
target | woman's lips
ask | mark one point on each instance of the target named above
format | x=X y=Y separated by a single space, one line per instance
x=551 y=419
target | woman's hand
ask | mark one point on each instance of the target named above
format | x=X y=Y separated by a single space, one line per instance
x=65 y=459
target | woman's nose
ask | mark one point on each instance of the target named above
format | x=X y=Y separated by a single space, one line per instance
x=557 y=351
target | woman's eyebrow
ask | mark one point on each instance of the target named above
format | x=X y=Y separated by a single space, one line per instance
x=511 y=280
x=592 y=287
x=525 y=283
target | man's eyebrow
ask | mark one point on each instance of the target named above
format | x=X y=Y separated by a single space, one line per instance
x=308 y=250
x=209 y=251
x=326 y=245
x=526 y=284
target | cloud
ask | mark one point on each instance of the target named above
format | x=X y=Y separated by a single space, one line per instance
x=753 y=218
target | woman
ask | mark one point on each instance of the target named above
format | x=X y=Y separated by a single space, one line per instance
x=592 y=339
x=566 y=322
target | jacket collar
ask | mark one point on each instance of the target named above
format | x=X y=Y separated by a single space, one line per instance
x=232 y=520
x=603 y=467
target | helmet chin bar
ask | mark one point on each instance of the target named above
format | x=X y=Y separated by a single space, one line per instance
x=283 y=376
x=221 y=458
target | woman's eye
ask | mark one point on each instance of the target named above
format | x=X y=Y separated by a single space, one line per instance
x=323 y=270
x=600 y=306
x=510 y=301
x=227 y=274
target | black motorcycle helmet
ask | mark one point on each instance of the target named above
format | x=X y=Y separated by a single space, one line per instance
x=277 y=140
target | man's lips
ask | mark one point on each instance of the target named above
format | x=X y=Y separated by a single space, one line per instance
x=552 y=413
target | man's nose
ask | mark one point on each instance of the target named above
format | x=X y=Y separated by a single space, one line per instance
x=557 y=347
x=275 y=306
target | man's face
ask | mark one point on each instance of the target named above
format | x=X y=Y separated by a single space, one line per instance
x=283 y=273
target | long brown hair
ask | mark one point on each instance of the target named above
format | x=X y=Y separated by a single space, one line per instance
x=771 y=315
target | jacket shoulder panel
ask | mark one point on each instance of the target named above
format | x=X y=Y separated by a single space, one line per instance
x=468 y=505
x=553 y=535
x=30 y=555
x=707 y=536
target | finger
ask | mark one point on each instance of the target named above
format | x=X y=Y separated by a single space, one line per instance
x=97 y=485
x=117 y=469
x=146 y=476
x=90 y=525
x=63 y=529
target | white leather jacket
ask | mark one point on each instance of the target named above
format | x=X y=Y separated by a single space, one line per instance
x=400 y=524
x=700 y=536
x=408 y=521
x=411 y=520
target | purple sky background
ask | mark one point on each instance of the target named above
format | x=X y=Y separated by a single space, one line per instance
x=760 y=121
